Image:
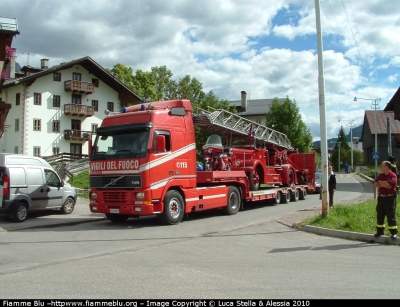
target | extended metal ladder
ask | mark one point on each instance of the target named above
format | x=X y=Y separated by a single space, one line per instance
x=226 y=123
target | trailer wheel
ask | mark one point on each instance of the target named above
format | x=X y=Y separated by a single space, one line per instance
x=295 y=195
x=173 y=209
x=234 y=201
x=254 y=179
x=303 y=194
x=278 y=198
x=285 y=197
x=116 y=218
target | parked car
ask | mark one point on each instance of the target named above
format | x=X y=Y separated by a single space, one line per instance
x=318 y=182
x=29 y=183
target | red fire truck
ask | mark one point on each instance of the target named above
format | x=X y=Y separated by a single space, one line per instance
x=143 y=162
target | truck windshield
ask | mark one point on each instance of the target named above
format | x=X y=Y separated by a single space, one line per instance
x=124 y=144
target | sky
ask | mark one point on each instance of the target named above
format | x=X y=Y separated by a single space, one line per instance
x=267 y=48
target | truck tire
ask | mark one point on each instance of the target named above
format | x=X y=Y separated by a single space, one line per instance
x=20 y=212
x=303 y=194
x=173 y=208
x=254 y=179
x=68 y=206
x=234 y=201
x=278 y=198
x=291 y=179
x=295 y=195
x=117 y=218
x=285 y=197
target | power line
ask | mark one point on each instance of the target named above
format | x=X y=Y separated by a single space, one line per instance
x=28 y=53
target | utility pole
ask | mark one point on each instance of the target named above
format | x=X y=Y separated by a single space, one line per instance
x=322 y=113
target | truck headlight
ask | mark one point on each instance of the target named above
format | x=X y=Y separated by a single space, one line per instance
x=140 y=195
x=93 y=195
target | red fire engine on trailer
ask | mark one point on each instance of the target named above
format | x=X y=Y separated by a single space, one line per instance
x=143 y=162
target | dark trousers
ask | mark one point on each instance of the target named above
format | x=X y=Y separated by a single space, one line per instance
x=386 y=206
x=331 y=192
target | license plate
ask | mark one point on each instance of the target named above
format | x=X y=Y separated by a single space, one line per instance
x=114 y=210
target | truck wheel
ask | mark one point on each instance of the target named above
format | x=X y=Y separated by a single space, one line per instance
x=295 y=195
x=277 y=199
x=234 y=201
x=68 y=206
x=291 y=181
x=285 y=197
x=173 y=209
x=117 y=218
x=254 y=179
x=303 y=194
x=20 y=212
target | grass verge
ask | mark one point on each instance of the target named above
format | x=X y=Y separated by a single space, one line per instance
x=81 y=181
x=355 y=218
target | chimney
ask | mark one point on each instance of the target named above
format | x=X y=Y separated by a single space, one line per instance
x=11 y=70
x=44 y=63
x=244 y=100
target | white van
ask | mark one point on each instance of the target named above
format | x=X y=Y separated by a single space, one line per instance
x=29 y=183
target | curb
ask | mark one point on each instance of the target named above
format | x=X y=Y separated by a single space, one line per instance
x=350 y=235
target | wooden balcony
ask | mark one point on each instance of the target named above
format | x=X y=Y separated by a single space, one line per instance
x=79 y=87
x=4 y=108
x=77 y=135
x=78 y=110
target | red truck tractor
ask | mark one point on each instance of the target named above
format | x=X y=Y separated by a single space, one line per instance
x=143 y=162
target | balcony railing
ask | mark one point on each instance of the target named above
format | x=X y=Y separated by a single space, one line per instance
x=78 y=110
x=79 y=87
x=77 y=135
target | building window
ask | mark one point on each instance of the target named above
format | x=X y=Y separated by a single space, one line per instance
x=56 y=126
x=94 y=127
x=36 y=151
x=15 y=149
x=95 y=104
x=76 y=99
x=76 y=76
x=56 y=150
x=36 y=124
x=37 y=99
x=17 y=99
x=110 y=106
x=17 y=125
x=95 y=82
x=56 y=101
x=57 y=76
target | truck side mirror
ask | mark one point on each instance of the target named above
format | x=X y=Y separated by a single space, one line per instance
x=160 y=143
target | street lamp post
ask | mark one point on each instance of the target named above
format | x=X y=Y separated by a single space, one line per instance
x=351 y=139
x=374 y=106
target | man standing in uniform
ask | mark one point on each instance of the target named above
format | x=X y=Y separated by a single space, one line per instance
x=386 y=183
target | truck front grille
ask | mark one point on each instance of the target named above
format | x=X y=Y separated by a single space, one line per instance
x=114 y=197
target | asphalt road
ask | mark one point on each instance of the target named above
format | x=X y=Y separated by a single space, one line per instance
x=208 y=255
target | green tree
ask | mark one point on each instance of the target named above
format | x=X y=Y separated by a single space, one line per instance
x=342 y=148
x=123 y=74
x=284 y=116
